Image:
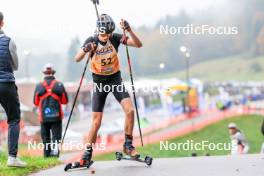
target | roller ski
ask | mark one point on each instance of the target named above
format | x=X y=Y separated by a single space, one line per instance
x=77 y=165
x=120 y=156
x=130 y=153
x=85 y=162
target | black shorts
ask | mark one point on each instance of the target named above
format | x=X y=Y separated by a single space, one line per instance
x=103 y=85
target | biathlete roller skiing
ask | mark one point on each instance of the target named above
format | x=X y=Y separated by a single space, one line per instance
x=102 y=50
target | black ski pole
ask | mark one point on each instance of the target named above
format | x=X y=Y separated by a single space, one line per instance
x=133 y=88
x=75 y=99
x=95 y=2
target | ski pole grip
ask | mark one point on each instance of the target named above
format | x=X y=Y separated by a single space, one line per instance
x=95 y=2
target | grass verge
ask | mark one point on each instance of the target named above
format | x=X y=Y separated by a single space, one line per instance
x=216 y=133
x=34 y=164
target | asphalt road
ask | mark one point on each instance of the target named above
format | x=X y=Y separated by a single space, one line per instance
x=246 y=165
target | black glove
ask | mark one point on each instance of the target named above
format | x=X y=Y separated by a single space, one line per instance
x=126 y=26
x=88 y=47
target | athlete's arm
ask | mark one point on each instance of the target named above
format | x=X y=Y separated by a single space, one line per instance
x=133 y=40
x=80 y=55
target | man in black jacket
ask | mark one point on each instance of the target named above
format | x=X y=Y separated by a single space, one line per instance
x=8 y=94
x=49 y=96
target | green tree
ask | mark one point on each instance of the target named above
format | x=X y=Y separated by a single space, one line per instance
x=256 y=67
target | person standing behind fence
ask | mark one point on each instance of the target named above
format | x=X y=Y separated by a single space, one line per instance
x=239 y=142
x=49 y=96
x=8 y=94
x=262 y=131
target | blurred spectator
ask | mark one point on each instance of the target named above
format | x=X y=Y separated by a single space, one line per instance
x=262 y=130
x=49 y=96
x=9 y=99
x=238 y=140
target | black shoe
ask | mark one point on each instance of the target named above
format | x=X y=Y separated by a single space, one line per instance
x=86 y=157
x=129 y=149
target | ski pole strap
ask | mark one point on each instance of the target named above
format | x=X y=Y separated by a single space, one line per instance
x=124 y=39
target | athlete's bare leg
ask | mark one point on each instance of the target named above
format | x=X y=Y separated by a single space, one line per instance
x=96 y=123
x=129 y=112
x=128 y=108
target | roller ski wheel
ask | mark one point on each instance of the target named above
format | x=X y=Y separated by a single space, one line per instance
x=77 y=165
x=120 y=156
x=67 y=167
x=148 y=160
